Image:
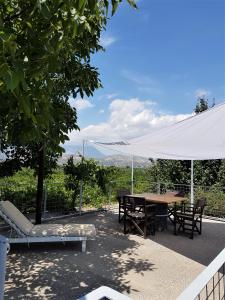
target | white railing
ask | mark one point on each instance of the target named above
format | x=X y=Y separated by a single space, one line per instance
x=210 y=284
x=3 y=251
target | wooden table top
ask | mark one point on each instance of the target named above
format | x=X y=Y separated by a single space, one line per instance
x=167 y=198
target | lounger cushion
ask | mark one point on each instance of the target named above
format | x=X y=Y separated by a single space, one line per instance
x=68 y=230
x=84 y=230
x=16 y=216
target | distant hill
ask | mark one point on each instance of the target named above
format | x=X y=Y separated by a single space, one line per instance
x=124 y=161
x=89 y=151
x=112 y=160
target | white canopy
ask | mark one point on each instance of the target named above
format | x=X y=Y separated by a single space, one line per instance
x=199 y=137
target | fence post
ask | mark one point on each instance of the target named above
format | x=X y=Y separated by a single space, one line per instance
x=3 y=253
x=109 y=195
x=81 y=196
x=45 y=200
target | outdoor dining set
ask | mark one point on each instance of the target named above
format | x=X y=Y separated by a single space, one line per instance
x=147 y=213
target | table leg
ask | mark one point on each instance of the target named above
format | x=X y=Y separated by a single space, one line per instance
x=175 y=219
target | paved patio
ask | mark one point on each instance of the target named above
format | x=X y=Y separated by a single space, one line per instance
x=159 y=267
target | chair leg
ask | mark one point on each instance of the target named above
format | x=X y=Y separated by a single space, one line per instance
x=175 y=225
x=200 y=226
x=119 y=220
x=145 y=231
x=192 y=230
x=124 y=227
x=152 y=228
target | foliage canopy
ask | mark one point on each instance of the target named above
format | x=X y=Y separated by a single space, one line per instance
x=45 y=44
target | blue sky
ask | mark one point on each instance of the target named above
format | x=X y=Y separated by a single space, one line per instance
x=158 y=60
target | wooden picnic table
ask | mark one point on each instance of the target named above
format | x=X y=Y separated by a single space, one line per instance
x=167 y=198
x=163 y=210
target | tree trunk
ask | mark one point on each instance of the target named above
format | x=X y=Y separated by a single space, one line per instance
x=40 y=182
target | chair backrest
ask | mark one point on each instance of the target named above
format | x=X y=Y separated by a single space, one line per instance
x=120 y=195
x=134 y=203
x=176 y=193
x=122 y=192
x=180 y=194
x=200 y=205
x=14 y=217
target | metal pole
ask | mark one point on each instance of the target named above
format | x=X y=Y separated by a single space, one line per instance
x=192 y=182
x=45 y=201
x=83 y=143
x=158 y=187
x=3 y=253
x=81 y=182
x=132 y=175
x=81 y=196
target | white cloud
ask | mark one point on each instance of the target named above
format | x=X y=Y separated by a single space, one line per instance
x=127 y=119
x=111 y=96
x=138 y=78
x=81 y=104
x=199 y=93
x=108 y=96
x=107 y=40
x=101 y=111
x=144 y=82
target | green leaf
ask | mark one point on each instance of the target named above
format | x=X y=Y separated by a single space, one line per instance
x=4 y=69
x=45 y=11
x=29 y=24
x=82 y=4
x=24 y=106
x=106 y=3
x=92 y=4
x=75 y=29
x=132 y=3
x=14 y=80
x=115 y=4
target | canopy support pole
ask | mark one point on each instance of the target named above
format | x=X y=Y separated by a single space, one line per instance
x=192 y=182
x=81 y=182
x=132 y=175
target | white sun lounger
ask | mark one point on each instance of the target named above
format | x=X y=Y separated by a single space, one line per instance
x=44 y=233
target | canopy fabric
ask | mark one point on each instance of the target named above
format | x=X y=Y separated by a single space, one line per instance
x=199 y=137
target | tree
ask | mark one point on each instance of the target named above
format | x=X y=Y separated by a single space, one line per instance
x=45 y=45
x=86 y=171
x=202 y=105
x=18 y=157
x=170 y=171
x=37 y=40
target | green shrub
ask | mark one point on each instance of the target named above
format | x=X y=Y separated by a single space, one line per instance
x=215 y=200
x=20 y=189
x=94 y=197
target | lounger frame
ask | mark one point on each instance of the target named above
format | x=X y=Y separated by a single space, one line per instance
x=23 y=238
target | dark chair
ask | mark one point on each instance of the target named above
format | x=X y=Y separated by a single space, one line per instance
x=173 y=207
x=189 y=217
x=119 y=196
x=139 y=215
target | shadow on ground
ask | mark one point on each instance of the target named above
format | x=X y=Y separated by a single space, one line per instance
x=202 y=249
x=60 y=271
x=159 y=267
